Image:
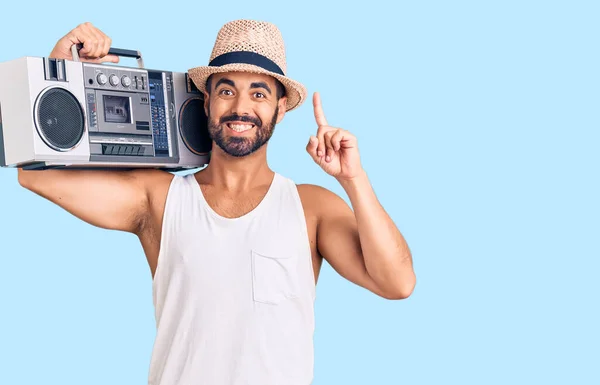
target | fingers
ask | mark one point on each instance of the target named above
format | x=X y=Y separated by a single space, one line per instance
x=328 y=140
x=314 y=143
x=99 y=42
x=96 y=43
x=336 y=140
x=311 y=148
x=326 y=143
x=105 y=48
x=77 y=36
x=92 y=46
x=329 y=151
x=322 y=145
x=318 y=110
x=105 y=43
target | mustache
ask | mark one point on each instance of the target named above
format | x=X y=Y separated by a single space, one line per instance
x=248 y=119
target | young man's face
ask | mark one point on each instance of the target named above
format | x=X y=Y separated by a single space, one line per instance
x=242 y=110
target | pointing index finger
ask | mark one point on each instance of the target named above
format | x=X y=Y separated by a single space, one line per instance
x=319 y=114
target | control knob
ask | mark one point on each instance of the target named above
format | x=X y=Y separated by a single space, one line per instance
x=102 y=79
x=126 y=81
x=114 y=80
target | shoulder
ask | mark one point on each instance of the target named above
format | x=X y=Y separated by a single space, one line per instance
x=313 y=192
x=319 y=200
x=151 y=175
x=152 y=180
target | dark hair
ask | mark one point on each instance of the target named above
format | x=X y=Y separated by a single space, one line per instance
x=280 y=87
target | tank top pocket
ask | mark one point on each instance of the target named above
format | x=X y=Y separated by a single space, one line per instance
x=274 y=277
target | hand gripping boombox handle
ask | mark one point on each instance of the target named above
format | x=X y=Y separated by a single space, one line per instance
x=113 y=51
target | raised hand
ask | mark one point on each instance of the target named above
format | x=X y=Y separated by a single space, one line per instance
x=334 y=149
x=95 y=45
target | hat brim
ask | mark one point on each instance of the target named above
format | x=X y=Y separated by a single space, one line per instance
x=295 y=91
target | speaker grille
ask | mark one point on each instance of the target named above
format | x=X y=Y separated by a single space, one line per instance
x=193 y=126
x=60 y=119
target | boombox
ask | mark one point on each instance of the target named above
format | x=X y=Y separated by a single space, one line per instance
x=58 y=113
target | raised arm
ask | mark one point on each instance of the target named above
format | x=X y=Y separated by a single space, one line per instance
x=114 y=200
x=363 y=245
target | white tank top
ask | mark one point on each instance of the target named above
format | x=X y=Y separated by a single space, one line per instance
x=234 y=298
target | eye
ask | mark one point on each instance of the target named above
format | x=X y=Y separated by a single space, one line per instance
x=259 y=95
x=225 y=91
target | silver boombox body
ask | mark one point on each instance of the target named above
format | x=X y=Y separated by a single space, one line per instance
x=70 y=114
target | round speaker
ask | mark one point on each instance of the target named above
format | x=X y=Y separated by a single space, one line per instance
x=59 y=118
x=193 y=126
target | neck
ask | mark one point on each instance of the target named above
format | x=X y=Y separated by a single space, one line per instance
x=236 y=174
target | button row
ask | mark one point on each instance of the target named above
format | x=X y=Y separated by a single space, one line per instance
x=115 y=149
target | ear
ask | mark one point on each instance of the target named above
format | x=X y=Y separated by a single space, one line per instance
x=206 y=102
x=282 y=104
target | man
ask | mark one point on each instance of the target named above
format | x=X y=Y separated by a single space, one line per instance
x=235 y=249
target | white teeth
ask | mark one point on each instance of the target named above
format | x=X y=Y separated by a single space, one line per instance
x=240 y=127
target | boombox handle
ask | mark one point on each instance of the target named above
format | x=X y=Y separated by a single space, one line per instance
x=113 y=51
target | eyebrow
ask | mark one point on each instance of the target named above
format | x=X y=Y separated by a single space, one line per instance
x=225 y=81
x=261 y=85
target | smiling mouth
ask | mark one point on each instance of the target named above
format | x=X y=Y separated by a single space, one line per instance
x=240 y=127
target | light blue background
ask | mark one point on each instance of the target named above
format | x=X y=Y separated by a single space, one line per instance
x=478 y=126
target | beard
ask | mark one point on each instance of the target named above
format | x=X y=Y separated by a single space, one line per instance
x=241 y=146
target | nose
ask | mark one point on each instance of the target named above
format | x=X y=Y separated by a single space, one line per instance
x=242 y=105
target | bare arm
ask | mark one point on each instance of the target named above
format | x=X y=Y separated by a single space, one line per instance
x=363 y=246
x=387 y=256
x=114 y=200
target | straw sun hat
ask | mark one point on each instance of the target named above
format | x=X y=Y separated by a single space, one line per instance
x=250 y=46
